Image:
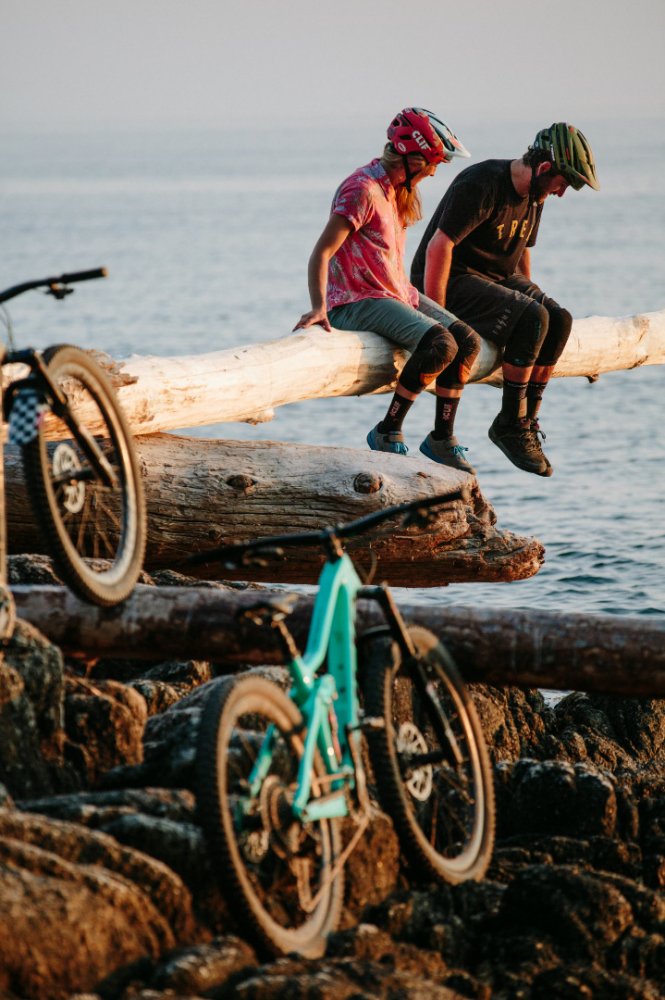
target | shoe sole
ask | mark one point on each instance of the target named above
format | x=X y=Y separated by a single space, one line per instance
x=540 y=471
x=428 y=453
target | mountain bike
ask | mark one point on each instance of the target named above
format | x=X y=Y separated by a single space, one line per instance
x=277 y=771
x=79 y=462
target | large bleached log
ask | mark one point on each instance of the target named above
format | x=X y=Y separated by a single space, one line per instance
x=524 y=648
x=202 y=493
x=247 y=383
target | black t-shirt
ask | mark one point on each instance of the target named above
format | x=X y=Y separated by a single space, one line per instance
x=487 y=220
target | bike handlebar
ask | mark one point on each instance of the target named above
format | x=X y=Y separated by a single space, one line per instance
x=53 y=283
x=96 y=272
x=326 y=535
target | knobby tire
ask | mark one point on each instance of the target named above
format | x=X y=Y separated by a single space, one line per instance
x=439 y=792
x=257 y=856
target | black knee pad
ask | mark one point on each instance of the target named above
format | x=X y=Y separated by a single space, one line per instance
x=435 y=350
x=560 y=325
x=528 y=335
x=467 y=340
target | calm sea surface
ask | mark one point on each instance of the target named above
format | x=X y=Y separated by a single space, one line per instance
x=207 y=245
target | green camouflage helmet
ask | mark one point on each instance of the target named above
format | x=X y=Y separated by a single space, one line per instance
x=570 y=153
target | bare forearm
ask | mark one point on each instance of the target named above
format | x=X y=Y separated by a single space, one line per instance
x=327 y=245
x=437 y=267
x=317 y=278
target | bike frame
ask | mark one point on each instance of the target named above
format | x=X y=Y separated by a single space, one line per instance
x=334 y=693
x=329 y=702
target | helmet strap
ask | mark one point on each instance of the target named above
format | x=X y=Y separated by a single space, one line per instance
x=407 y=173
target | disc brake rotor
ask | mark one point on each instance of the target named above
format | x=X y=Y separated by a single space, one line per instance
x=66 y=461
x=411 y=742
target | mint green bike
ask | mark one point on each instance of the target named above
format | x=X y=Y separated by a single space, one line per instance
x=278 y=771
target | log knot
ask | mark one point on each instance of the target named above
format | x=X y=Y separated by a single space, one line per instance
x=241 y=482
x=367 y=482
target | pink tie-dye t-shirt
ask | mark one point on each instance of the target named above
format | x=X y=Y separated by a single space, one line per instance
x=370 y=262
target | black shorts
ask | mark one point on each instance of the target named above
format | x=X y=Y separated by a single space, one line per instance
x=493 y=308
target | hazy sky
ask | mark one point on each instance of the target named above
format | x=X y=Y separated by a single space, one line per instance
x=171 y=62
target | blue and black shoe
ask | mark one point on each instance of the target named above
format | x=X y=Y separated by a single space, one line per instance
x=390 y=441
x=447 y=451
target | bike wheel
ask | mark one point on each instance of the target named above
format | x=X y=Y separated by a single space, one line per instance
x=96 y=533
x=430 y=761
x=275 y=869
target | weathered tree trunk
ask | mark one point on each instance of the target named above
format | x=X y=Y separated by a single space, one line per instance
x=524 y=648
x=247 y=383
x=203 y=493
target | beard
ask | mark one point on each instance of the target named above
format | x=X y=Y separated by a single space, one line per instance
x=540 y=186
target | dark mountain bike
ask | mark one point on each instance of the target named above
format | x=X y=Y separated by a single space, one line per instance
x=277 y=772
x=80 y=466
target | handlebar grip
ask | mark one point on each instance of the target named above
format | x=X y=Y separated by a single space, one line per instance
x=97 y=272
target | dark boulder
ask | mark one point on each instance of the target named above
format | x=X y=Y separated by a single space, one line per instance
x=32 y=732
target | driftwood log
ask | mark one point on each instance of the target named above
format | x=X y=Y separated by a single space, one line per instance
x=203 y=493
x=543 y=649
x=247 y=383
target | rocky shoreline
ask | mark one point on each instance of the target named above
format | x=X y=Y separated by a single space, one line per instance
x=106 y=890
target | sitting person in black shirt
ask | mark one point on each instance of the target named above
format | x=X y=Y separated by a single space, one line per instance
x=474 y=259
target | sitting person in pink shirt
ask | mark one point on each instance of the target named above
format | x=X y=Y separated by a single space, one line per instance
x=357 y=281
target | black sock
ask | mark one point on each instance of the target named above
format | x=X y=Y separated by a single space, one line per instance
x=444 y=420
x=394 y=418
x=513 y=400
x=540 y=376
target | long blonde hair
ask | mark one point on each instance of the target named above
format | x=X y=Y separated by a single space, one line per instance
x=409 y=205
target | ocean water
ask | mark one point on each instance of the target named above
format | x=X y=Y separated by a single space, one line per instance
x=206 y=237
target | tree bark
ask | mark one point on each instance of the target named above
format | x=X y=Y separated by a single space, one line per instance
x=203 y=493
x=544 y=649
x=247 y=383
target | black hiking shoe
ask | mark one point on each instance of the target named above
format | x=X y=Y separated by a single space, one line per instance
x=536 y=431
x=520 y=444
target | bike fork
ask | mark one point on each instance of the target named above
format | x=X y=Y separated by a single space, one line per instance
x=382 y=596
x=58 y=402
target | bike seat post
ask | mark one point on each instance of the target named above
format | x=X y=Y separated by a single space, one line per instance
x=287 y=641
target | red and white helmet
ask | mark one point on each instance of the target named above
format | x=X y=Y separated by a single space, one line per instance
x=415 y=130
